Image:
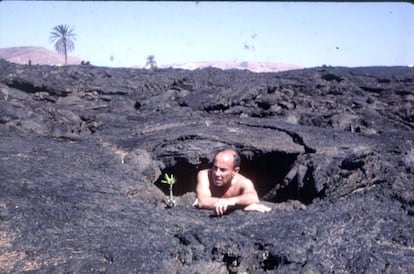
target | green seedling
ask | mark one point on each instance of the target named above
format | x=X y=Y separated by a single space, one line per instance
x=170 y=180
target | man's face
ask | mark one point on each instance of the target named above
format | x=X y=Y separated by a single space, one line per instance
x=223 y=170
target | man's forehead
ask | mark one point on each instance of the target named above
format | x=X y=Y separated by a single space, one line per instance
x=224 y=159
x=226 y=154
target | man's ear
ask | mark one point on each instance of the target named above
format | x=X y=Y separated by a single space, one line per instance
x=236 y=170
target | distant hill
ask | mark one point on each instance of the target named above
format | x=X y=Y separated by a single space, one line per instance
x=252 y=66
x=43 y=56
x=37 y=55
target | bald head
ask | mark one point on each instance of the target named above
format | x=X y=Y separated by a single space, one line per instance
x=228 y=155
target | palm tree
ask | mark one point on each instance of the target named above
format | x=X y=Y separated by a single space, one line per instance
x=63 y=37
x=151 y=62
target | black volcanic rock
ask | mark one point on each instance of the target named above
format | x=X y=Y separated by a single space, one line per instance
x=83 y=149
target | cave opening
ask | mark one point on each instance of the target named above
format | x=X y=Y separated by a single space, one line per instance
x=268 y=171
x=185 y=174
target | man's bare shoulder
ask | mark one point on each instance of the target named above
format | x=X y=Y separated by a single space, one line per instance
x=203 y=172
x=203 y=177
x=245 y=184
x=203 y=183
x=242 y=180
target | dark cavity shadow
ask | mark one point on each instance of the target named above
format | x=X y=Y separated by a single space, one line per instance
x=267 y=170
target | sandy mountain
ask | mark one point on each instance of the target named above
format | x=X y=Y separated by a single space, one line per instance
x=43 y=56
x=252 y=66
x=37 y=55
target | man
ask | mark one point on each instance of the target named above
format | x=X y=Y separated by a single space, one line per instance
x=223 y=188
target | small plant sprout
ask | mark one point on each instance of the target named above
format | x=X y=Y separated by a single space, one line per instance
x=170 y=180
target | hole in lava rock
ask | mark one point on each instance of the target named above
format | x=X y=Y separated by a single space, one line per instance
x=185 y=174
x=266 y=169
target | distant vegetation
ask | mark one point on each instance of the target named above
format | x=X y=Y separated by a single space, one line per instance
x=151 y=63
x=63 y=37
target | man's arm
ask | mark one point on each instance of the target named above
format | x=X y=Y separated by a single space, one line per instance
x=204 y=197
x=247 y=196
x=249 y=200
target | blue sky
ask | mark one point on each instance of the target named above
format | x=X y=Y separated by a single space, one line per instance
x=123 y=34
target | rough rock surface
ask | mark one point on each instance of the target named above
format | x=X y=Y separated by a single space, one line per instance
x=83 y=148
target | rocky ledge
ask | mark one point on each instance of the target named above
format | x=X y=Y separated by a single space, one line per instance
x=83 y=150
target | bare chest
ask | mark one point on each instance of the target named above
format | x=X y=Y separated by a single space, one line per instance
x=232 y=191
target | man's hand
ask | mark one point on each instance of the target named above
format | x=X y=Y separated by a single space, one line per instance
x=257 y=207
x=222 y=205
